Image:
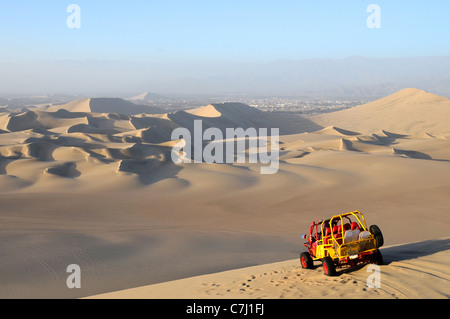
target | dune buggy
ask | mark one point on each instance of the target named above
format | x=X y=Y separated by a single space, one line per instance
x=342 y=241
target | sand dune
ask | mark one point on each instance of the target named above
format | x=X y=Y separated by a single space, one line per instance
x=24 y=121
x=136 y=143
x=105 y=105
x=131 y=140
x=82 y=105
x=415 y=270
x=82 y=183
x=410 y=111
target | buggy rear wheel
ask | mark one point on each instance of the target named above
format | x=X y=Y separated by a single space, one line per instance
x=376 y=232
x=306 y=261
x=329 y=268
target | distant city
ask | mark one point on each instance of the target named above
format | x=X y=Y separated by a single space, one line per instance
x=302 y=105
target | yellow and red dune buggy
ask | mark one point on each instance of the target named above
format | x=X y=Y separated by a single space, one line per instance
x=342 y=241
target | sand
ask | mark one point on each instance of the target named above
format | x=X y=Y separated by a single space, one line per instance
x=411 y=271
x=97 y=188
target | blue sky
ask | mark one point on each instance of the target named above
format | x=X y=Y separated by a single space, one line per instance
x=245 y=30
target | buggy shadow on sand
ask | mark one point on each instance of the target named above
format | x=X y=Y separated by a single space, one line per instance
x=342 y=241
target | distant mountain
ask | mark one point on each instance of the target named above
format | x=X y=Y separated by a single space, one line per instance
x=349 y=77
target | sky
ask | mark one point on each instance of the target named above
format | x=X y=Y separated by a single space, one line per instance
x=238 y=31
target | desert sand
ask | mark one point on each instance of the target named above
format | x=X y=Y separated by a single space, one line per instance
x=415 y=270
x=83 y=185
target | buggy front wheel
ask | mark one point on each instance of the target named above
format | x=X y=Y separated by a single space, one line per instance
x=377 y=258
x=306 y=261
x=329 y=268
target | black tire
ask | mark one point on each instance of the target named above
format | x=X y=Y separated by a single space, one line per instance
x=329 y=268
x=376 y=232
x=306 y=261
x=377 y=258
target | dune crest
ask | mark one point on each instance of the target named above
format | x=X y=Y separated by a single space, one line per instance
x=416 y=96
x=206 y=111
x=333 y=130
x=82 y=105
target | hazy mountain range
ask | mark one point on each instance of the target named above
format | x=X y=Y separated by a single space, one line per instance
x=352 y=77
